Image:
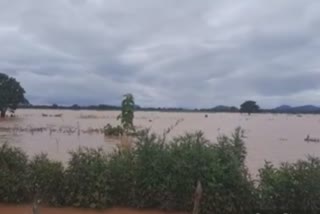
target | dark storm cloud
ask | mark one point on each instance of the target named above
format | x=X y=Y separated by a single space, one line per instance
x=167 y=53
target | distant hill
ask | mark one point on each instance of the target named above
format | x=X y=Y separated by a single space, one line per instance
x=297 y=109
x=283 y=108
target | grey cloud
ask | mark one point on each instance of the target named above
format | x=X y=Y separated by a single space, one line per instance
x=167 y=53
x=286 y=84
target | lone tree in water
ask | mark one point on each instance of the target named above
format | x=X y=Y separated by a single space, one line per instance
x=127 y=113
x=249 y=107
x=11 y=94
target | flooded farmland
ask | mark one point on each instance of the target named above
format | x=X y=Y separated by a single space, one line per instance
x=272 y=137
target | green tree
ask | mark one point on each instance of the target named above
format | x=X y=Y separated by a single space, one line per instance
x=127 y=113
x=55 y=106
x=11 y=94
x=249 y=107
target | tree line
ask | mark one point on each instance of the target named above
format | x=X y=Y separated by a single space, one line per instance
x=12 y=96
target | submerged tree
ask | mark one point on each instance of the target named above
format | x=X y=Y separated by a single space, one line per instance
x=127 y=113
x=11 y=94
x=249 y=107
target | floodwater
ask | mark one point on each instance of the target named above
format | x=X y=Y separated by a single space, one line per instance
x=271 y=137
x=27 y=209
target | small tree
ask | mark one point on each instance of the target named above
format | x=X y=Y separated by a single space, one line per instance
x=249 y=107
x=11 y=94
x=127 y=113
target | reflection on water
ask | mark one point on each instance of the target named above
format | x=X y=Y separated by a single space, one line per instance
x=270 y=137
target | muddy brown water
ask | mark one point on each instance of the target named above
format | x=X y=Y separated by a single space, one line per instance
x=272 y=137
x=27 y=209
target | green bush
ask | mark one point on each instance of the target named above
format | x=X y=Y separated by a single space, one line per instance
x=230 y=188
x=220 y=168
x=46 y=180
x=160 y=174
x=86 y=179
x=294 y=187
x=121 y=178
x=13 y=175
x=151 y=161
x=116 y=131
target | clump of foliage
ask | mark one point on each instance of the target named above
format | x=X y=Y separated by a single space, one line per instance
x=109 y=130
x=86 y=179
x=291 y=187
x=11 y=94
x=121 y=178
x=249 y=107
x=46 y=179
x=13 y=175
x=161 y=174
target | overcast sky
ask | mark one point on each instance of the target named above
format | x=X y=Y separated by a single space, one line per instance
x=184 y=53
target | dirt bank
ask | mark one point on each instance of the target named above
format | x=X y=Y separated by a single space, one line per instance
x=27 y=209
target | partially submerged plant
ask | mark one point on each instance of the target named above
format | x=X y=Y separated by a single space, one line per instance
x=113 y=131
x=127 y=113
x=126 y=118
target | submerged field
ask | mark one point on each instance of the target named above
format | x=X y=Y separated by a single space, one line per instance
x=272 y=137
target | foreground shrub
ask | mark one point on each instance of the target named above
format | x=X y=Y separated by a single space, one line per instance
x=291 y=187
x=46 y=179
x=121 y=178
x=220 y=168
x=151 y=171
x=160 y=174
x=86 y=179
x=13 y=175
x=227 y=184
